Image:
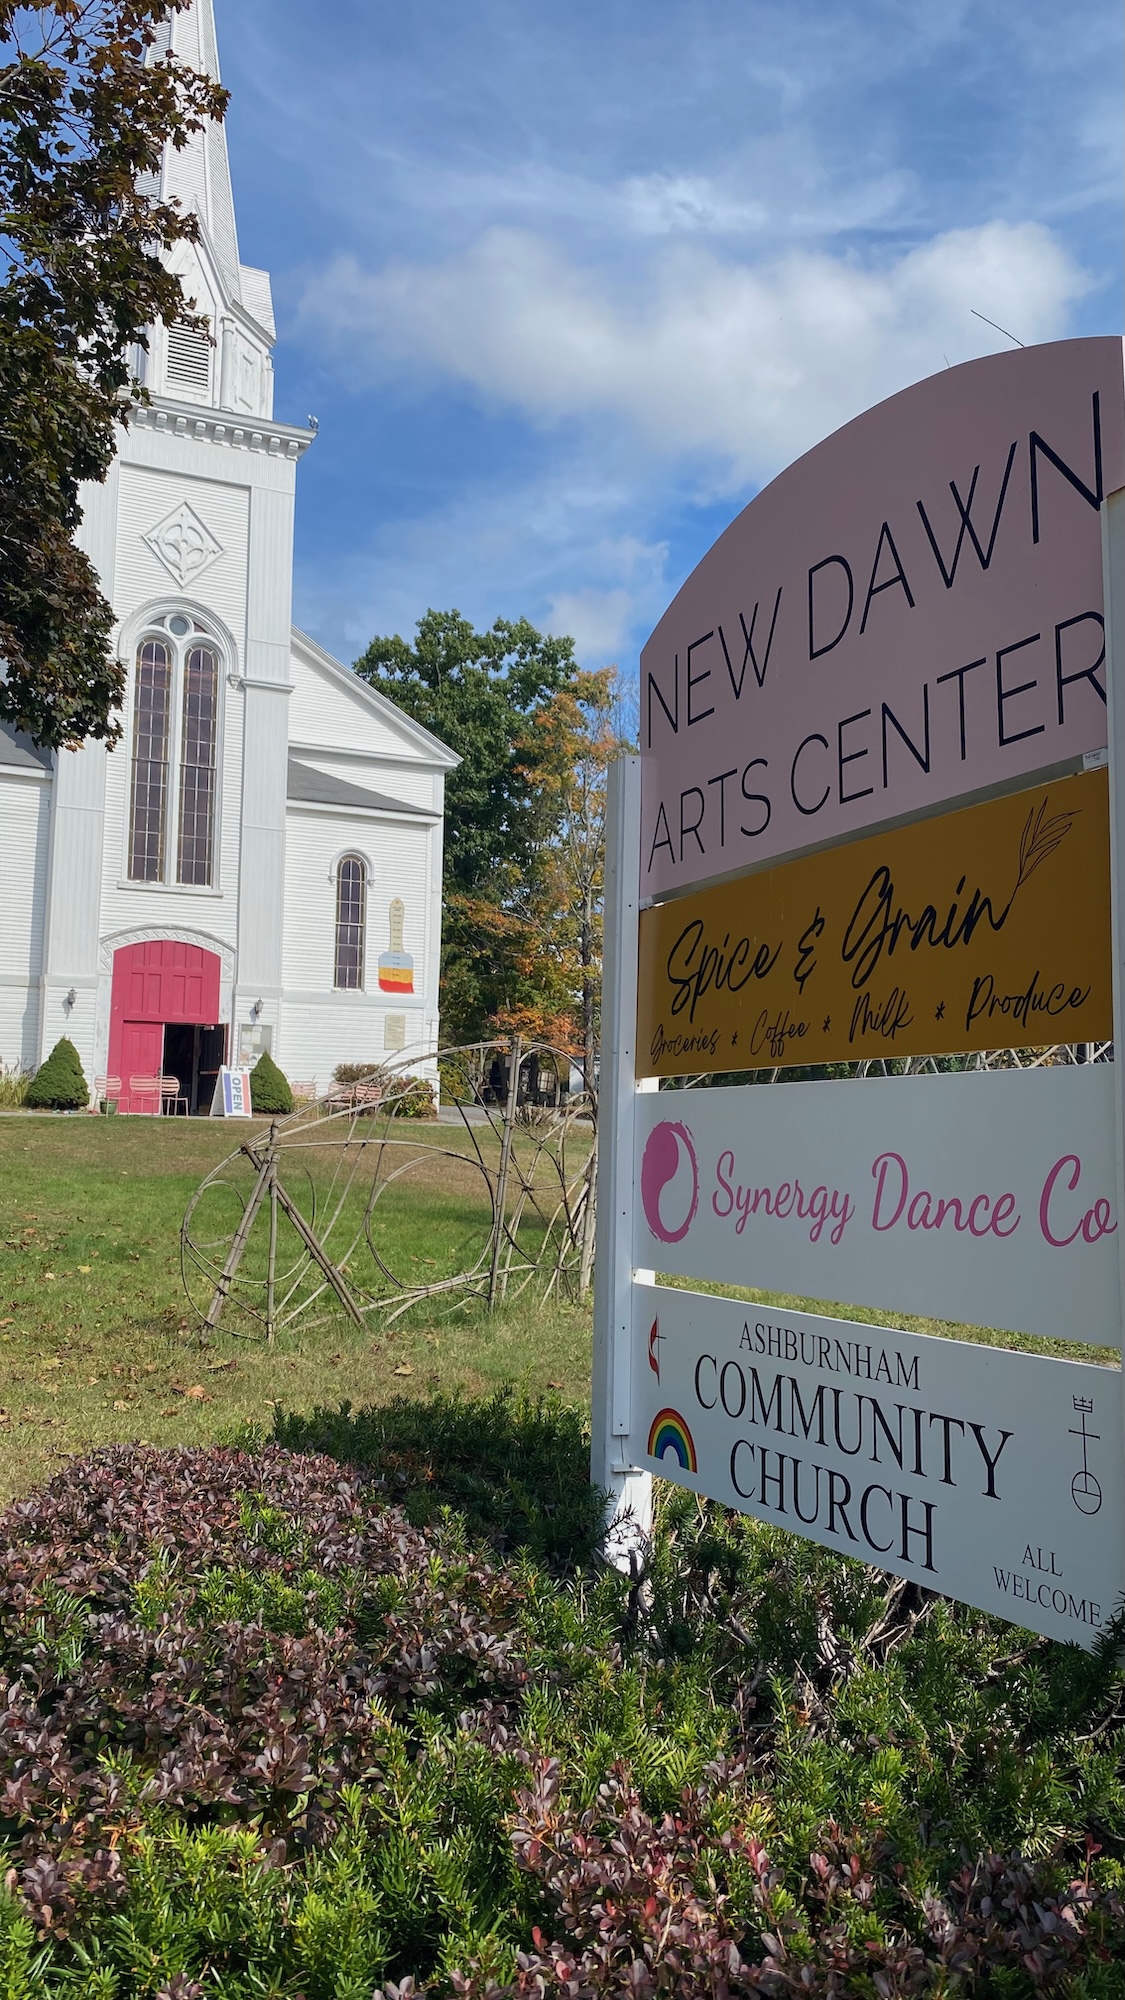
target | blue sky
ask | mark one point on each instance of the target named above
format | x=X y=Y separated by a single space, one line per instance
x=565 y=285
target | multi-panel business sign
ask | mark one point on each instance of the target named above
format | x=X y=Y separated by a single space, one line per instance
x=874 y=817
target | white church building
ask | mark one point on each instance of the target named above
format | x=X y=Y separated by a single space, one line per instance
x=258 y=863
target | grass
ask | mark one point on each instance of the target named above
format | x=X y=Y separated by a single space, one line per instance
x=98 y=1345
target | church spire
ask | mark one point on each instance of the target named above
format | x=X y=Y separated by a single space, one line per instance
x=229 y=367
x=199 y=175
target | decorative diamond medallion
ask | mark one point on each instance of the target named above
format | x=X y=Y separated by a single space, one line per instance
x=184 y=544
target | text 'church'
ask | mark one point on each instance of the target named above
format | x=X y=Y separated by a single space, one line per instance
x=258 y=863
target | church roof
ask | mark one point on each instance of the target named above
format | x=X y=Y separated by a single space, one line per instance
x=18 y=752
x=319 y=788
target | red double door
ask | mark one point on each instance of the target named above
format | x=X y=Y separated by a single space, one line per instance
x=156 y=985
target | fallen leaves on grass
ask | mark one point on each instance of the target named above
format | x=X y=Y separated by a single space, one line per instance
x=196 y=1394
x=404 y=1368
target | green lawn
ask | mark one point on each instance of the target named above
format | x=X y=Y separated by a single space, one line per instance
x=97 y=1342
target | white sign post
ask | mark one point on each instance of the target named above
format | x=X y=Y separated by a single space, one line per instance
x=992 y=1198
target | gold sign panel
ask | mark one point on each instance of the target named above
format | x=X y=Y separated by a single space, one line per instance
x=981 y=929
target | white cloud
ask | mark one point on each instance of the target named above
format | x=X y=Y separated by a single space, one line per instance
x=508 y=550
x=599 y=621
x=742 y=364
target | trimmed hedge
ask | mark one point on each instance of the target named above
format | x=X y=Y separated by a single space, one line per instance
x=59 y=1084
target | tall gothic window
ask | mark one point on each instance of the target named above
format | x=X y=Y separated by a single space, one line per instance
x=197 y=765
x=175 y=747
x=150 y=761
x=351 y=920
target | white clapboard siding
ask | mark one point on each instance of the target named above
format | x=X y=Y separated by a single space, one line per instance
x=398 y=864
x=313 y=1039
x=147 y=497
x=321 y=711
x=25 y=807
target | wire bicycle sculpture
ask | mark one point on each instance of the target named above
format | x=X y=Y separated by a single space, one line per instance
x=321 y=1210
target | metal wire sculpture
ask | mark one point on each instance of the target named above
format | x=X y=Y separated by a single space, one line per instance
x=315 y=1213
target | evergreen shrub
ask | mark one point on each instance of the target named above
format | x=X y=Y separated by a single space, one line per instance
x=59 y=1085
x=269 y=1089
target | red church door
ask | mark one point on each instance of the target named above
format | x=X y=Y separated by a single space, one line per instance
x=156 y=985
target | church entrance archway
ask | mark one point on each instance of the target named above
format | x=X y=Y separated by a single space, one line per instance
x=164 y=1010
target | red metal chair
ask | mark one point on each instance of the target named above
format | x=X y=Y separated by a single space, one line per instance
x=105 y=1088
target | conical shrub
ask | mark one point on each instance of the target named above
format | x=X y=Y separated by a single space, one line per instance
x=59 y=1084
x=269 y=1089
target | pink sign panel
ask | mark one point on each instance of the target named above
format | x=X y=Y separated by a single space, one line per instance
x=908 y=615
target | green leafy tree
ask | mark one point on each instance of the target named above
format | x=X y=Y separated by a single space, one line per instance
x=486 y=694
x=59 y=1085
x=481 y=692
x=269 y=1088
x=85 y=112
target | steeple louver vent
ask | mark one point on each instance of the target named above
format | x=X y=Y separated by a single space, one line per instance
x=189 y=359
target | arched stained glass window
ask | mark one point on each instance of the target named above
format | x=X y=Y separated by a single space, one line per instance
x=197 y=766
x=351 y=920
x=172 y=814
x=148 y=807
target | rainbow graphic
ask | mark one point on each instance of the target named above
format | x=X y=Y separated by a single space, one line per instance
x=669 y=1433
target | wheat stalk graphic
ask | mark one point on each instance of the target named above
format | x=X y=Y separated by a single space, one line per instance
x=1039 y=838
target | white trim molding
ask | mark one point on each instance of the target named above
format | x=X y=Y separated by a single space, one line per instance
x=235 y=433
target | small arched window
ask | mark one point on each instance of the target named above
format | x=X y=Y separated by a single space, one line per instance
x=351 y=920
x=175 y=745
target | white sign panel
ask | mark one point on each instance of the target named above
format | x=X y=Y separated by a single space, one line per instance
x=983 y=1197
x=232 y=1094
x=989 y=1476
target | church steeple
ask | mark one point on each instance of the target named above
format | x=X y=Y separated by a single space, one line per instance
x=232 y=371
x=200 y=175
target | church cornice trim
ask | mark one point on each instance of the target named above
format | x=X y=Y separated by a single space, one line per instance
x=222 y=428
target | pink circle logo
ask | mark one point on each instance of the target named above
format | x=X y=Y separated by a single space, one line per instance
x=669 y=1181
